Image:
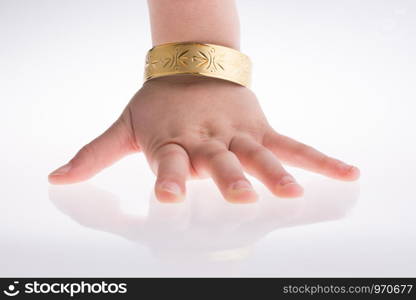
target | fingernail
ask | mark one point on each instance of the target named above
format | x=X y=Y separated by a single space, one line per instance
x=171 y=187
x=352 y=171
x=62 y=170
x=345 y=167
x=241 y=185
x=355 y=169
x=287 y=180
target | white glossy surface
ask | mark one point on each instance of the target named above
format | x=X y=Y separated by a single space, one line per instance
x=345 y=83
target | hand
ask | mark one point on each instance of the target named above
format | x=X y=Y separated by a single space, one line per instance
x=192 y=127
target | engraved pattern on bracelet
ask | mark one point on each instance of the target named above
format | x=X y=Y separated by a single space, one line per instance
x=198 y=59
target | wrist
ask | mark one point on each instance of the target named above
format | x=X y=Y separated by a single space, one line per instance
x=213 y=22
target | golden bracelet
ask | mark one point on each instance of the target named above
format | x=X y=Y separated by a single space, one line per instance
x=198 y=59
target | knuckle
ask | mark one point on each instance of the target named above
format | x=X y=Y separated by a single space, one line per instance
x=300 y=153
x=214 y=154
x=204 y=133
x=86 y=153
x=302 y=150
x=325 y=161
x=256 y=151
x=87 y=150
x=170 y=150
x=208 y=152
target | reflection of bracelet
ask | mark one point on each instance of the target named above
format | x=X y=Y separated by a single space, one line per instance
x=198 y=59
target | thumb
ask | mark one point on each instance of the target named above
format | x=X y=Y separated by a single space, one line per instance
x=115 y=143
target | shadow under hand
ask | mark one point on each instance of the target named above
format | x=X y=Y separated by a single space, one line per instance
x=205 y=228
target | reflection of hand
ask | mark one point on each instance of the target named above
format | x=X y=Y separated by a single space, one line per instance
x=205 y=223
x=190 y=127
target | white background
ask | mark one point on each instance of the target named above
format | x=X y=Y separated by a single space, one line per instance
x=339 y=75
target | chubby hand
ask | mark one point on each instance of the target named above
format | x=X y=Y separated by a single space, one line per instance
x=194 y=127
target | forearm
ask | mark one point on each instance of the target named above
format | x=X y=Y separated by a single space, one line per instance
x=209 y=21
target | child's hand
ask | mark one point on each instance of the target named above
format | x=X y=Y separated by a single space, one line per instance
x=191 y=127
